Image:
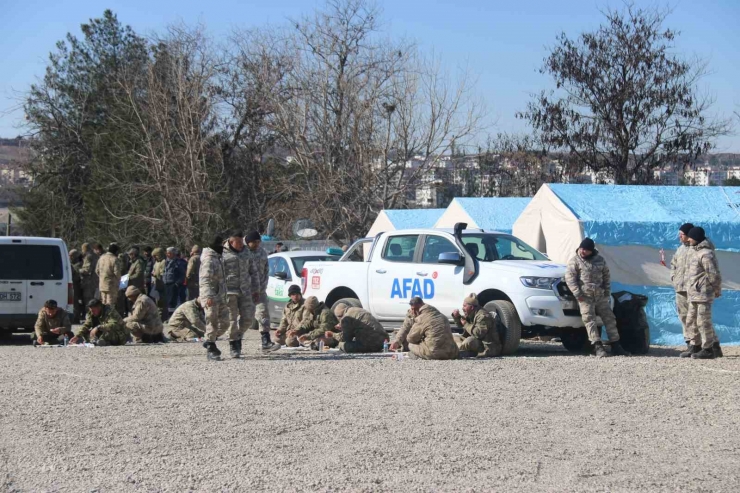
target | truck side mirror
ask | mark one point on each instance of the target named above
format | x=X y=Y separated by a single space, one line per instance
x=452 y=258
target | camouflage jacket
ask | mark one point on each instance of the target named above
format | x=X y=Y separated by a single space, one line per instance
x=109 y=321
x=76 y=277
x=315 y=324
x=146 y=313
x=408 y=322
x=191 y=275
x=359 y=325
x=44 y=323
x=704 y=280
x=432 y=330
x=109 y=270
x=241 y=272
x=211 y=277
x=679 y=272
x=188 y=316
x=482 y=325
x=588 y=278
x=136 y=273
x=259 y=258
x=292 y=317
x=88 y=271
x=158 y=274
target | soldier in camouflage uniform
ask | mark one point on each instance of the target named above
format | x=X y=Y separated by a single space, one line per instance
x=136 y=270
x=88 y=274
x=589 y=280
x=158 y=275
x=316 y=321
x=292 y=315
x=109 y=270
x=400 y=338
x=75 y=260
x=358 y=331
x=191 y=274
x=261 y=316
x=704 y=285
x=679 y=276
x=144 y=322
x=430 y=336
x=480 y=335
x=188 y=322
x=242 y=283
x=103 y=326
x=51 y=324
x=212 y=281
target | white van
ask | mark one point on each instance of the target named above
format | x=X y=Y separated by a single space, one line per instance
x=32 y=270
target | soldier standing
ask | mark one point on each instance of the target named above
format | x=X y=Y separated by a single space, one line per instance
x=704 y=286
x=147 y=254
x=88 y=274
x=480 y=336
x=212 y=281
x=242 y=280
x=75 y=260
x=109 y=271
x=430 y=336
x=261 y=316
x=144 y=322
x=158 y=276
x=191 y=275
x=679 y=276
x=589 y=280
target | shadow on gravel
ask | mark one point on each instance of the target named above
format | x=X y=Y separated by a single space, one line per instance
x=21 y=339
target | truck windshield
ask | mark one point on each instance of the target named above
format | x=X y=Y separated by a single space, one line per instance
x=490 y=247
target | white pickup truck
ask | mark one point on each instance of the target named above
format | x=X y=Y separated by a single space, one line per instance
x=443 y=266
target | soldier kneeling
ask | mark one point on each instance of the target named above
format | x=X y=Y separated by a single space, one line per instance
x=188 y=322
x=317 y=320
x=430 y=336
x=480 y=336
x=51 y=324
x=358 y=331
x=144 y=322
x=103 y=326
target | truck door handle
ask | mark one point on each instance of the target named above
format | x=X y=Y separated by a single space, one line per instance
x=36 y=283
x=422 y=273
x=381 y=271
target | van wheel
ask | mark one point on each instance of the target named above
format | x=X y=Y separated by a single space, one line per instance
x=510 y=322
x=576 y=341
x=351 y=302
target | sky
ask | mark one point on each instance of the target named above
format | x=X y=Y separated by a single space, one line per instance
x=502 y=43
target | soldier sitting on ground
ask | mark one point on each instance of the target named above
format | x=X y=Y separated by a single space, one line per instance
x=317 y=320
x=52 y=323
x=188 y=322
x=430 y=336
x=103 y=326
x=480 y=337
x=144 y=322
x=357 y=331
x=292 y=316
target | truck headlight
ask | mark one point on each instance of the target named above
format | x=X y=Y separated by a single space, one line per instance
x=539 y=282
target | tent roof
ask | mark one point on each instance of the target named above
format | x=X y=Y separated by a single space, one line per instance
x=493 y=213
x=651 y=215
x=413 y=218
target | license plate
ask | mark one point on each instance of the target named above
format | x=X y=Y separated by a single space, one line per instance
x=10 y=296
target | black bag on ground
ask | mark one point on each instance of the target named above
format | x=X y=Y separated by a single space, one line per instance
x=632 y=323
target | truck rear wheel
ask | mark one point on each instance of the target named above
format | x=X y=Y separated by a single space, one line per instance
x=511 y=324
x=352 y=302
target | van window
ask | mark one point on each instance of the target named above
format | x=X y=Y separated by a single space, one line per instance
x=35 y=262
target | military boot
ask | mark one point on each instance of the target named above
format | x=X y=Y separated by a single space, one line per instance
x=717 y=350
x=706 y=353
x=235 y=349
x=213 y=352
x=691 y=350
x=267 y=344
x=599 y=350
x=618 y=350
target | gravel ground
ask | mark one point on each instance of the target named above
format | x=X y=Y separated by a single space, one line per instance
x=162 y=418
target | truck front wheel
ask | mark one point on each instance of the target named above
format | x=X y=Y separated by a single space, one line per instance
x=511 y=324
x=576 y=341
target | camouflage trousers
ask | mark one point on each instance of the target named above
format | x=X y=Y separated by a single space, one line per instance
x=422 y=351
x=183 y=333
x=241 y=314
x=217 y=319
x=109 y=298
x=139 y=330
x=475 y=345
x=682 y=305
x=360 y=347
x=193 y=291
x=699 y=327
x=115 y=337
x=261 y=320
x=592 y=309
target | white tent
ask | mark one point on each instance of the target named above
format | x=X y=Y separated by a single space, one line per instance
x=635 y=228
